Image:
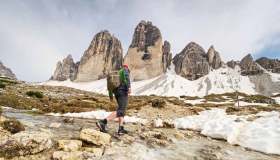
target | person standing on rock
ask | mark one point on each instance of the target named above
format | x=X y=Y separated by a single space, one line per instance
x=118 y=84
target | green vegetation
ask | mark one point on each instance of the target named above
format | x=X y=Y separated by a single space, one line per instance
x=258 y=99
x=2 y=85
x=35 y=94
x=158 y=103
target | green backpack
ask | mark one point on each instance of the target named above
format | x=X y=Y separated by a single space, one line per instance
x=113 y=80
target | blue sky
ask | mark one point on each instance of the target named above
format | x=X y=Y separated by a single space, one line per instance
x=35 y=34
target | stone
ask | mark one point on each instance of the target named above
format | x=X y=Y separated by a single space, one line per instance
x=249 y=66
x=191 y=62
x=103 y=55
x=97 y=152
x=26 y=143
x=76 y=155
x=69 y=145
x=214 y=58
x=13 y=126
x=167 y=55
x=272 y=65
x=95 y=137
x=6 y=72
x=232 y=64
x=67 y=69
x=145 y=56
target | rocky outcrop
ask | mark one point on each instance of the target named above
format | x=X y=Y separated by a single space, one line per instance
x=214 y=58
x=66 y=69
x=103 y=55
x=249 y=66
x=145 y=56
x=6 y=72
x=69 y=145
x=232 y=64
x=191 y=62
x=272 y=65
x=167 y=55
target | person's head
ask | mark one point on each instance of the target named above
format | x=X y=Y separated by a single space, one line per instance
x=125 y=66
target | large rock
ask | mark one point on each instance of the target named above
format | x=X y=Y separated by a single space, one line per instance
x=6 y=72
x=272 y=65
x=69 y=145
x=66 y=69
x=214 y=58
x=232 y=64
x=26 y=143
x=76 y=155
x=103 y=55
x=191 y=62
x=145 y=54
x=95 y=137
x=167 y=55
x=249 y=66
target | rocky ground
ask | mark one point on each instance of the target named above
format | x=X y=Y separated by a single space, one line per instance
x=28 y=133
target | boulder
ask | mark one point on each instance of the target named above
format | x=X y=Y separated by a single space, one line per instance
x=76 y=155
x=103 y=55
x=6 y=72
x=272 y=65
x=145 y=56
x=13 y=126
x=214 y=58
x=232 y=64
x=25 y=143
x=249 y=66
x=69 y=145
x=191 y=62
x=66 y=69
x=95 y=137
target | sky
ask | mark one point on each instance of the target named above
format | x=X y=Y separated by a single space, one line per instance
x=35 y=34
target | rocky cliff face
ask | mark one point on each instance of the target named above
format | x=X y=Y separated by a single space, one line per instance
x=103 y=55
x=249 y=66
x=232 y=64
x=6 y=72
x=272 y=65
x=214 y=58
x=145 y=56
x=167 y=55
x=191 y=62
x=66 y=69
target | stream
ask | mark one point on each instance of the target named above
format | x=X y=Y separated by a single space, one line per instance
x=195 y=148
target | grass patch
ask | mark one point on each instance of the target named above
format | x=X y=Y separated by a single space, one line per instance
x=13 y=126
x=36 y=94
x=258 y=99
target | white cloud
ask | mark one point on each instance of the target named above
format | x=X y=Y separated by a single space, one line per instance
x=34 y=34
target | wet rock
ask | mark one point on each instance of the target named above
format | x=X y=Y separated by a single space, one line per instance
x=249 y=66
x=214 y=58
x=103 y=55
x=26 y=143
x=6 y=72
x=69 y=145
x=68 y=120
x=76 y=155
x=191 y=62
x=210 y=153
x=95 y=137
x=155 y=138
x=272 y=65
x=145 y=56
x=67 y=69
x=13 y=126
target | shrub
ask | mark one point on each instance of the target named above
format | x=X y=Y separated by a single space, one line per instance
x=13 y=126
x=2 y=85
x=158 y=103
x=34 y=94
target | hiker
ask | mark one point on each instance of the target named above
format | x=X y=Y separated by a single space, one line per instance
x=121 y=90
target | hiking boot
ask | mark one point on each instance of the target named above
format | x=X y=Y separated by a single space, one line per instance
x=102 y=126
x=122 y=131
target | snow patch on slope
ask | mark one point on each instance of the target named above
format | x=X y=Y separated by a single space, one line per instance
x=262 y=134
x=217 y=81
